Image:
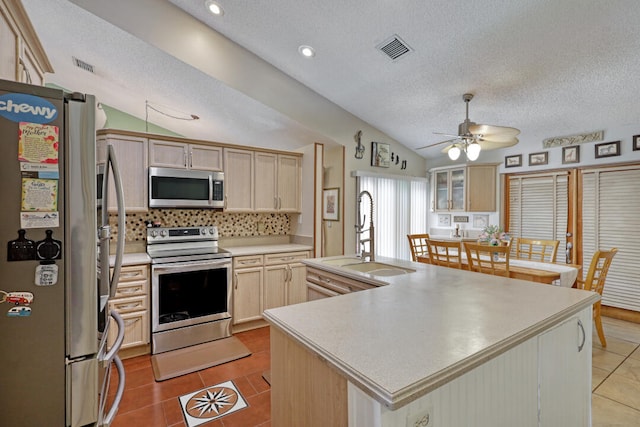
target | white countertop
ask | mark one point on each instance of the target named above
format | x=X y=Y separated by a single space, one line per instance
x=131 y=259
x=400 y=341
x=266 y=249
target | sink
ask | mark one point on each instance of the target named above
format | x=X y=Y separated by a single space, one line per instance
x=378 y=268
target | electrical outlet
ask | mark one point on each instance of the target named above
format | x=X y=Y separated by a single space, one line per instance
x=423 y=418
x=261 y=227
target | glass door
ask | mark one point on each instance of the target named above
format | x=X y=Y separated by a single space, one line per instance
x=442 y=191
x=457 y=190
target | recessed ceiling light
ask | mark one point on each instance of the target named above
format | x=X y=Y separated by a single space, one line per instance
x=214 y=8
x=307 y=51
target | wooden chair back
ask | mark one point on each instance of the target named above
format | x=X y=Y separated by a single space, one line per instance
x=537 y=249
x=594 y=281
x=445 y=253
x=488 y=259
x=418 y=245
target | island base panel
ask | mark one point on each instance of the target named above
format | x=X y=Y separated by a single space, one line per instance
x=305 y=390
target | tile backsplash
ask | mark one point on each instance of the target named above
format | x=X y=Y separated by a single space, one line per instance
x=229 y=224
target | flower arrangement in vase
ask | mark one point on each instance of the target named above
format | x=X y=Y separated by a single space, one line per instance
x=494 y=235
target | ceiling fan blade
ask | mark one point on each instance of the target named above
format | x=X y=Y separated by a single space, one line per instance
x=437 y=143
x=494 y=145
x=445 y=150
x=493 y=130
x=446 y=134
x=497 y=138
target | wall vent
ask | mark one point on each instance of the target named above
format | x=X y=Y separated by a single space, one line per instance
x=84 y=65
x=394 y=47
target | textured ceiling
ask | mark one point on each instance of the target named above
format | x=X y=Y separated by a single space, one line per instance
x=549 y=68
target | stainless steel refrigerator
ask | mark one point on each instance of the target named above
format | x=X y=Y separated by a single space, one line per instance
x=54 y=317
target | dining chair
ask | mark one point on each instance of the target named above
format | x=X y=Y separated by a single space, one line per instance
x=418 y=245
x=594 y=281
x=488 y=259
x=537 y=249
x=445 y=253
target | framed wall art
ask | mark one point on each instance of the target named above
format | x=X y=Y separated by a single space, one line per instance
x=513 y=161
x=380 y=154
x=480 y=221
x=541 y=158
x=331 y=204
x=571 y=154
x=608 y=149
x=636 y=142
x=444 y=220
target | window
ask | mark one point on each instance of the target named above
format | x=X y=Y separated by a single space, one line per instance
x=400 y=208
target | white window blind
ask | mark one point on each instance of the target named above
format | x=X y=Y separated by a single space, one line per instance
x=400 y=208
x=610 y=207
x=538 y=207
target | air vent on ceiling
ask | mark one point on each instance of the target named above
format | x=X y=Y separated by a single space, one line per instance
x=394 y=47
x=81 y=64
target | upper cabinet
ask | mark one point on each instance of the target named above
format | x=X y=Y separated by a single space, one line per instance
x=131 y=155
x=464 y=189
x=238 y=180
x=181 y=155
x=22 y=57
x=277 y=184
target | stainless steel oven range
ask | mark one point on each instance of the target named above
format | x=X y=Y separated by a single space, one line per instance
x=190 y=287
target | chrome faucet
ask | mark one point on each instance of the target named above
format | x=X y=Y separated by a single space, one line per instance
x=359 y=230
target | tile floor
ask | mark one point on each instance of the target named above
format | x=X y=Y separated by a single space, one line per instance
x=616 y=384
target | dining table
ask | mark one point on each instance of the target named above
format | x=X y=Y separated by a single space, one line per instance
x=535 y=271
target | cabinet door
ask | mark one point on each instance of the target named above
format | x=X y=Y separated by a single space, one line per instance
x=136 y=329
x=457 y=177
x=168 y=154
x=289 y=183
x=238 y=180
x=442 y=191
x=565 y=373
x=481 y=188
x=275 y=278
x=8 y=46
x=297 y=286
x=247 y=294
x=205 y=157
x=266 y=182
x=131 y=153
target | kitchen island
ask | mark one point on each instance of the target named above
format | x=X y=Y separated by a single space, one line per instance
x=439 y=344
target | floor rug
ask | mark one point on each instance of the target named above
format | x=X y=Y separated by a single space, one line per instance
x=211 y=403
x=195 y=358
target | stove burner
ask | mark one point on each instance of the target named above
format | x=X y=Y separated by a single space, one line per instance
x=174 y=317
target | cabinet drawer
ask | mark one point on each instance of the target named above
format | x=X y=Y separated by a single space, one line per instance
x=133 y=272
x=127 y=305
x=136 y=329
x=134 y=288
x=285 y=258
x=335 y=282
x=248 y=261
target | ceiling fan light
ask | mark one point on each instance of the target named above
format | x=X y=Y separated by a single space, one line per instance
x=473 y=151
x=454 y=152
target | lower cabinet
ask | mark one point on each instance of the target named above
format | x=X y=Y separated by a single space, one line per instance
x=267 y=281
x=131 y=301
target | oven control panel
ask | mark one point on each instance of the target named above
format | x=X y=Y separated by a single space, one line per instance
x=181 y=234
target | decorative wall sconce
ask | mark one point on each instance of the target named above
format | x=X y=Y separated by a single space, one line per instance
x=360 y=147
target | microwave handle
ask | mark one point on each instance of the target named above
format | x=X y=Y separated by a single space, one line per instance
x=210 y=189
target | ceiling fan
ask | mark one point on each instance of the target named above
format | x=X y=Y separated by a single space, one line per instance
x=473 y=137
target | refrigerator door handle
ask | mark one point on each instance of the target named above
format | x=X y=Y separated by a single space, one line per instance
x=119 y=338
x=108 y=419
x=113 y=162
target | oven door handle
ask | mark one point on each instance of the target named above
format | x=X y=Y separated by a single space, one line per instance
x=186 y=266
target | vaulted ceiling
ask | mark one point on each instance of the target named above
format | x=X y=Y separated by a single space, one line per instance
x=549 y=68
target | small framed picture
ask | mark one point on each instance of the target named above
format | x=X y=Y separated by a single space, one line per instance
x=513 y=161
x=541 y=158
x=571 y=154
x=461 y=218
x=380 y=154
x=331 y=204
x=608 y=149
x=480 y=221
x=636 y=142
x=444 y=220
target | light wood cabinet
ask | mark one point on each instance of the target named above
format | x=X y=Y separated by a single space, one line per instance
x=284 y=282
x=238 y=180
x=277 y=182
x=22 y=57
x=132 y=302
x=131 y=155
x=248 y=276
x=464 y=189
x=181 y=155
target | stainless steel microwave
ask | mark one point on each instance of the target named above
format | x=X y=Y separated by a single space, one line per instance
x=185 y=188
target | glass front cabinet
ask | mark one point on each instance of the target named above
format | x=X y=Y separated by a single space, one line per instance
x=464 y=189
x=449 y=186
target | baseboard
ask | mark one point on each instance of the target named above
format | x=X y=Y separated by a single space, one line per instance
x=140 y=350
x=620 y=313
x=247 y=326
